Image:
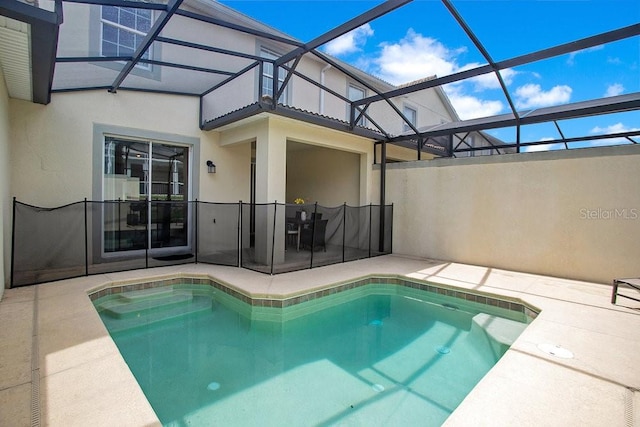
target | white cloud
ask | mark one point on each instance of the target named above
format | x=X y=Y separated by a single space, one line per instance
x=349 y=42
x=617 y=128
x=415 y=57
x=490 y=81
x=572 y=56
x=543 y=147
x=614 y=90
x=532 y=96
x=471 y=107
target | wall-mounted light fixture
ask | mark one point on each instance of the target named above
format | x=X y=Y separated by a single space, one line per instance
x=211 y=168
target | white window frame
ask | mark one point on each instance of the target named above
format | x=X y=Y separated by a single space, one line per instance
x=119 y=26
x=411 y=114
x=270 y=54
x=350 y=86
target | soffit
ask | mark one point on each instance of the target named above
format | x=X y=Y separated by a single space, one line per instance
x=15 y=57
x=28 y=41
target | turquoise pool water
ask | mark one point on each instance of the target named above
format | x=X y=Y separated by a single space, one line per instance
x=375 y=356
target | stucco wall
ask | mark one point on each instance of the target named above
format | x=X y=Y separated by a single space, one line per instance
x=573 y=214
x=52 y=157
x=281 y=131
x=5 y=198
x=330 y=177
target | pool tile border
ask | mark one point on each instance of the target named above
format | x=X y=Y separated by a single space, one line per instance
x=506 y=303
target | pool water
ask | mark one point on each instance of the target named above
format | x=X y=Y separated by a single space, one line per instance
x=374 y=357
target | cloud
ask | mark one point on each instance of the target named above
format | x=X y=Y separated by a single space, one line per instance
x=608 y=130
x=415 y=57
x=543 y=147
x=617 y=128
x=471 y=107
x=490 y=81
x=349 y=42
x=532 y=96
x=571 y=60
x=614 y=90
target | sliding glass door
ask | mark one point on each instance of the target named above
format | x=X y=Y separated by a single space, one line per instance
x=168 y=219
x=145 y=189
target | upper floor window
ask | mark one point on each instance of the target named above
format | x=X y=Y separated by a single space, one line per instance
x=123 y=29
x=411 y=115
x=267 y=75
x=355 y=93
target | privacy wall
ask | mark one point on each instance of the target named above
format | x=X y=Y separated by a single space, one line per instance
x=573 y=214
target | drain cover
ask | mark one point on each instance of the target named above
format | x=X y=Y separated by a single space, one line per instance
x=443 y=349
x=378 y=387
x=555 y=350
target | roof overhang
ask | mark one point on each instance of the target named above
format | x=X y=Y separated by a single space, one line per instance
x=292 y=113
x=28 y=50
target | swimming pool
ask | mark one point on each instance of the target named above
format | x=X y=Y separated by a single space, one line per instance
x=370 y=353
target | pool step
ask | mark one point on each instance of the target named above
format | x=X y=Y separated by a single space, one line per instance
x=136 y=308
x=160 y=292
x=125 y=308
x=501 y=330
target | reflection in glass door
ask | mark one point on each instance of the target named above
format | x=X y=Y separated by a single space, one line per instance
x=168 y=226
x=145 y=188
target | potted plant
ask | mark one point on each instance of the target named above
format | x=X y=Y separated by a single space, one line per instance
x=303 y=213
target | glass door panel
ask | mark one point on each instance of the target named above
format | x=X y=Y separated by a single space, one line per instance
x=145 y=193
x=125 y=191
x=169 y=195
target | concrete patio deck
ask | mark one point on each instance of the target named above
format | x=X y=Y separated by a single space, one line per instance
x=59 y=366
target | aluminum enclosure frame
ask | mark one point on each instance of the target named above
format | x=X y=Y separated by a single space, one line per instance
x=45 y=26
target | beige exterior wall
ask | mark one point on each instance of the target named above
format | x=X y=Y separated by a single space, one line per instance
x=57 y=150
x=346 y=149
x=573 y=214
x=342 y=142
x=330 y=177
x=428 y=105
x=52 y=158
x=5 y=194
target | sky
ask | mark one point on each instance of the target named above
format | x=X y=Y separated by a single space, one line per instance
x=422 y=39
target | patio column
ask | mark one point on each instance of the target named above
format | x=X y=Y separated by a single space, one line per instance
x=271 y=160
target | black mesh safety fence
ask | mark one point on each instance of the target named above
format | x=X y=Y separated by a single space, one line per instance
x=171 y=233
x=218 y=233
x=357 y=232
x=116 y=236
x=48 y=244
x=91 y=237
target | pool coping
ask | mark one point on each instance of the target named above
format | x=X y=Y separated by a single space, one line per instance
x=288 y=300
